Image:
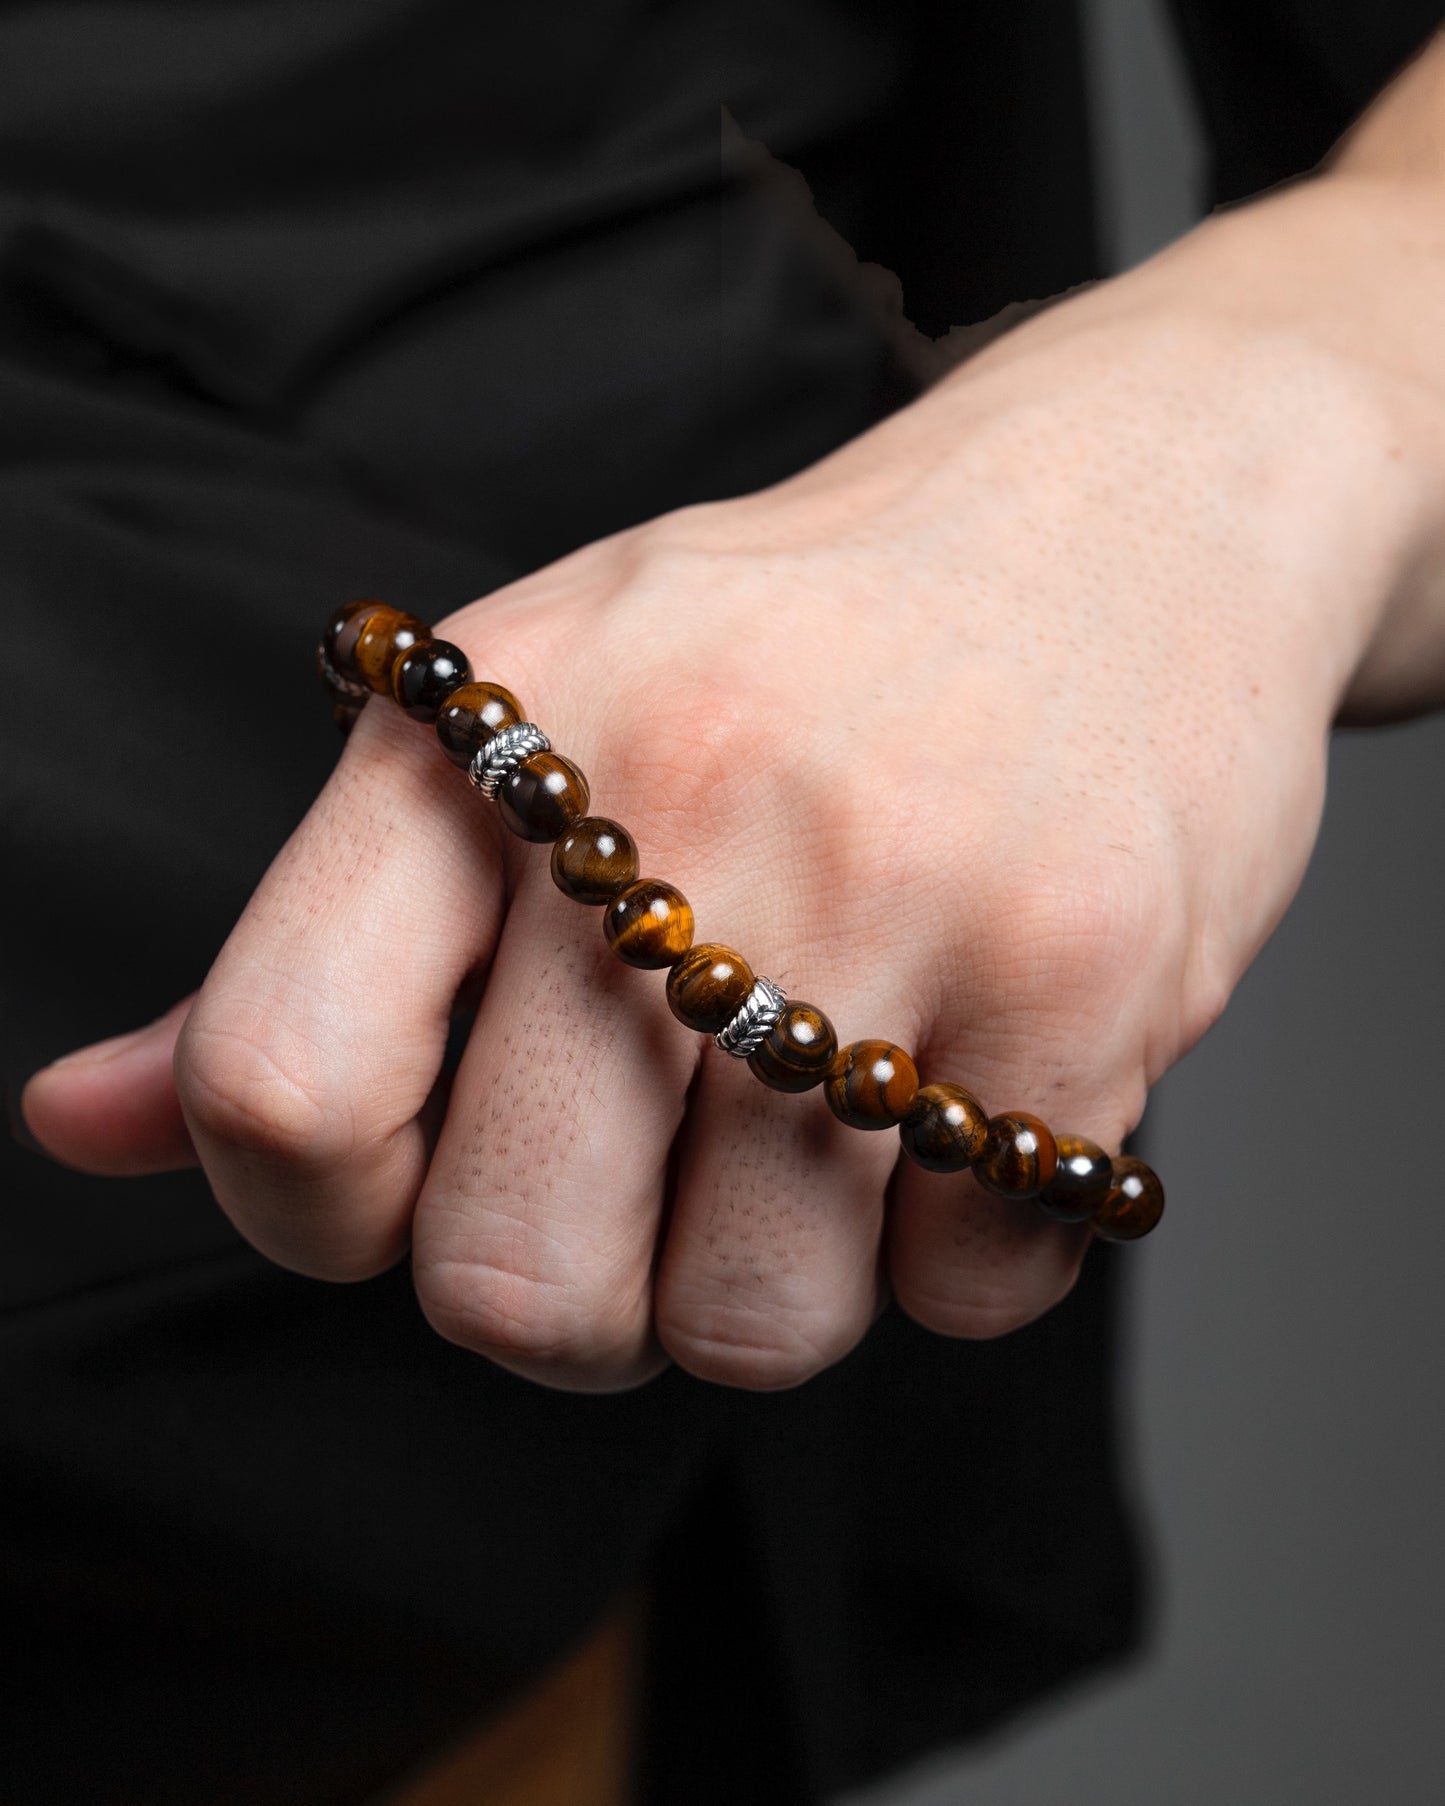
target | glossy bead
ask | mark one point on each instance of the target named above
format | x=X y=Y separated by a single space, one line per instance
x=649 y=924
x=708 y=986
x=1081 y=1181
x=471 y=715
x=422 y=679
x=384 y=636
x=944 y=1129
x=1134 y=1205
x=338 y=641
x=594 y=860
x=870 y=1084
x=542 y=797
x=799 y=1049
x=1019 y=1157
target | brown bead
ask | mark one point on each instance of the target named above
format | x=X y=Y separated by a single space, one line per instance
x=384 y=636
x=1081 y=1181
x=542 y=797
x=708 y=986
x=470 y=717
x=1134 y=1205
x=338 y=641
x=594 y=860
x=798 y=1050
x=870 y=1084
x=1019 y=1157
x=649 y=924
x=944 y=1128
x=422 y=679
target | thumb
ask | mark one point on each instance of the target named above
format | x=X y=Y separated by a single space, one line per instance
x=112 y=1108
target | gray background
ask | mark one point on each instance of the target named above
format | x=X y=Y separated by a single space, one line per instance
x=1287 y=1346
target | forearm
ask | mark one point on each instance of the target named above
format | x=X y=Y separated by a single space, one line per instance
x=1300 y=339
x=1401 y=138
x=1353 y=262
x=1394 y=161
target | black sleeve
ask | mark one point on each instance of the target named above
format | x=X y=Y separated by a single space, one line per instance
x=1279 y=80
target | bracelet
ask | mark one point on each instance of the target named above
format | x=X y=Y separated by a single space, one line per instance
x=370 y=648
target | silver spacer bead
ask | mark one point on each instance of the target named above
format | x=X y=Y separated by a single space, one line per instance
x=343 y=686
x=751 y=1026
x=503 y=753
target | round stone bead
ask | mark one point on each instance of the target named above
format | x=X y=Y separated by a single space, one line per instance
x=338 y=642
x=542 y=797
x=870 y=1084
x=1134 y=1205
x=594 y=860
x=649 y=924
x=708 y=986
x=1081 y=1181
x=422 y=679
x=471 y=716
x=944 y=1129
x=798 y=1050
x=384 y=636
x=1019 y=1157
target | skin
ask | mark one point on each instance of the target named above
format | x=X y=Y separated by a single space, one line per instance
x=1047 y=665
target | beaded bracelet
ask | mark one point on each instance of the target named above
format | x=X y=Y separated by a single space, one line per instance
x=370 y=648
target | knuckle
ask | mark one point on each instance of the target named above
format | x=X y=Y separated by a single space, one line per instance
x=321 y=1246
x=699 y=742
x=749 y=1349
x=1069 y=936
x=1055 y=955
x=539 y=1326
x=979 y=1309
x=237 y=1089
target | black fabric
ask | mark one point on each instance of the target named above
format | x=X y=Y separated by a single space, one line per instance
x=1278 y=83
x=403 y=297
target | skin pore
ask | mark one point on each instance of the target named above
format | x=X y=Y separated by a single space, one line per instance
x=1046 y=667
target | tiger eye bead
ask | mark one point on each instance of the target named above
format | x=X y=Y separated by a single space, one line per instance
x=383 y=638
x=649 y=924
x=870 y=1084
x=594 y=860
x=1134 y=1205
x=1081 y=1181
x=797 y=1051
x=338 y=641
x=1019 y=1157
x=944 y=1129
x=708 y=986
x=471 y=716
x=542 y=797
x=422 y=679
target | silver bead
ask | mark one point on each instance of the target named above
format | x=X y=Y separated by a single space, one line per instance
x=754 y=1021
x=503 y=753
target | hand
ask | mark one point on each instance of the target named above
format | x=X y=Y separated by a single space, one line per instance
x=1000 y=733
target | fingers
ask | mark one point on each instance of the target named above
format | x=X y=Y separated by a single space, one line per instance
x=771 y=1269
x=112 y=1109
x=535 y=1233
x=965 y=1263
x=306 y=1063
x=1039 y=1028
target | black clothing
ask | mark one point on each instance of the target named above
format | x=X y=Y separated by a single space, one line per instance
x=406 y=298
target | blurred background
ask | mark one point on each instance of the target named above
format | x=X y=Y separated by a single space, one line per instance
x=1288 y=1350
